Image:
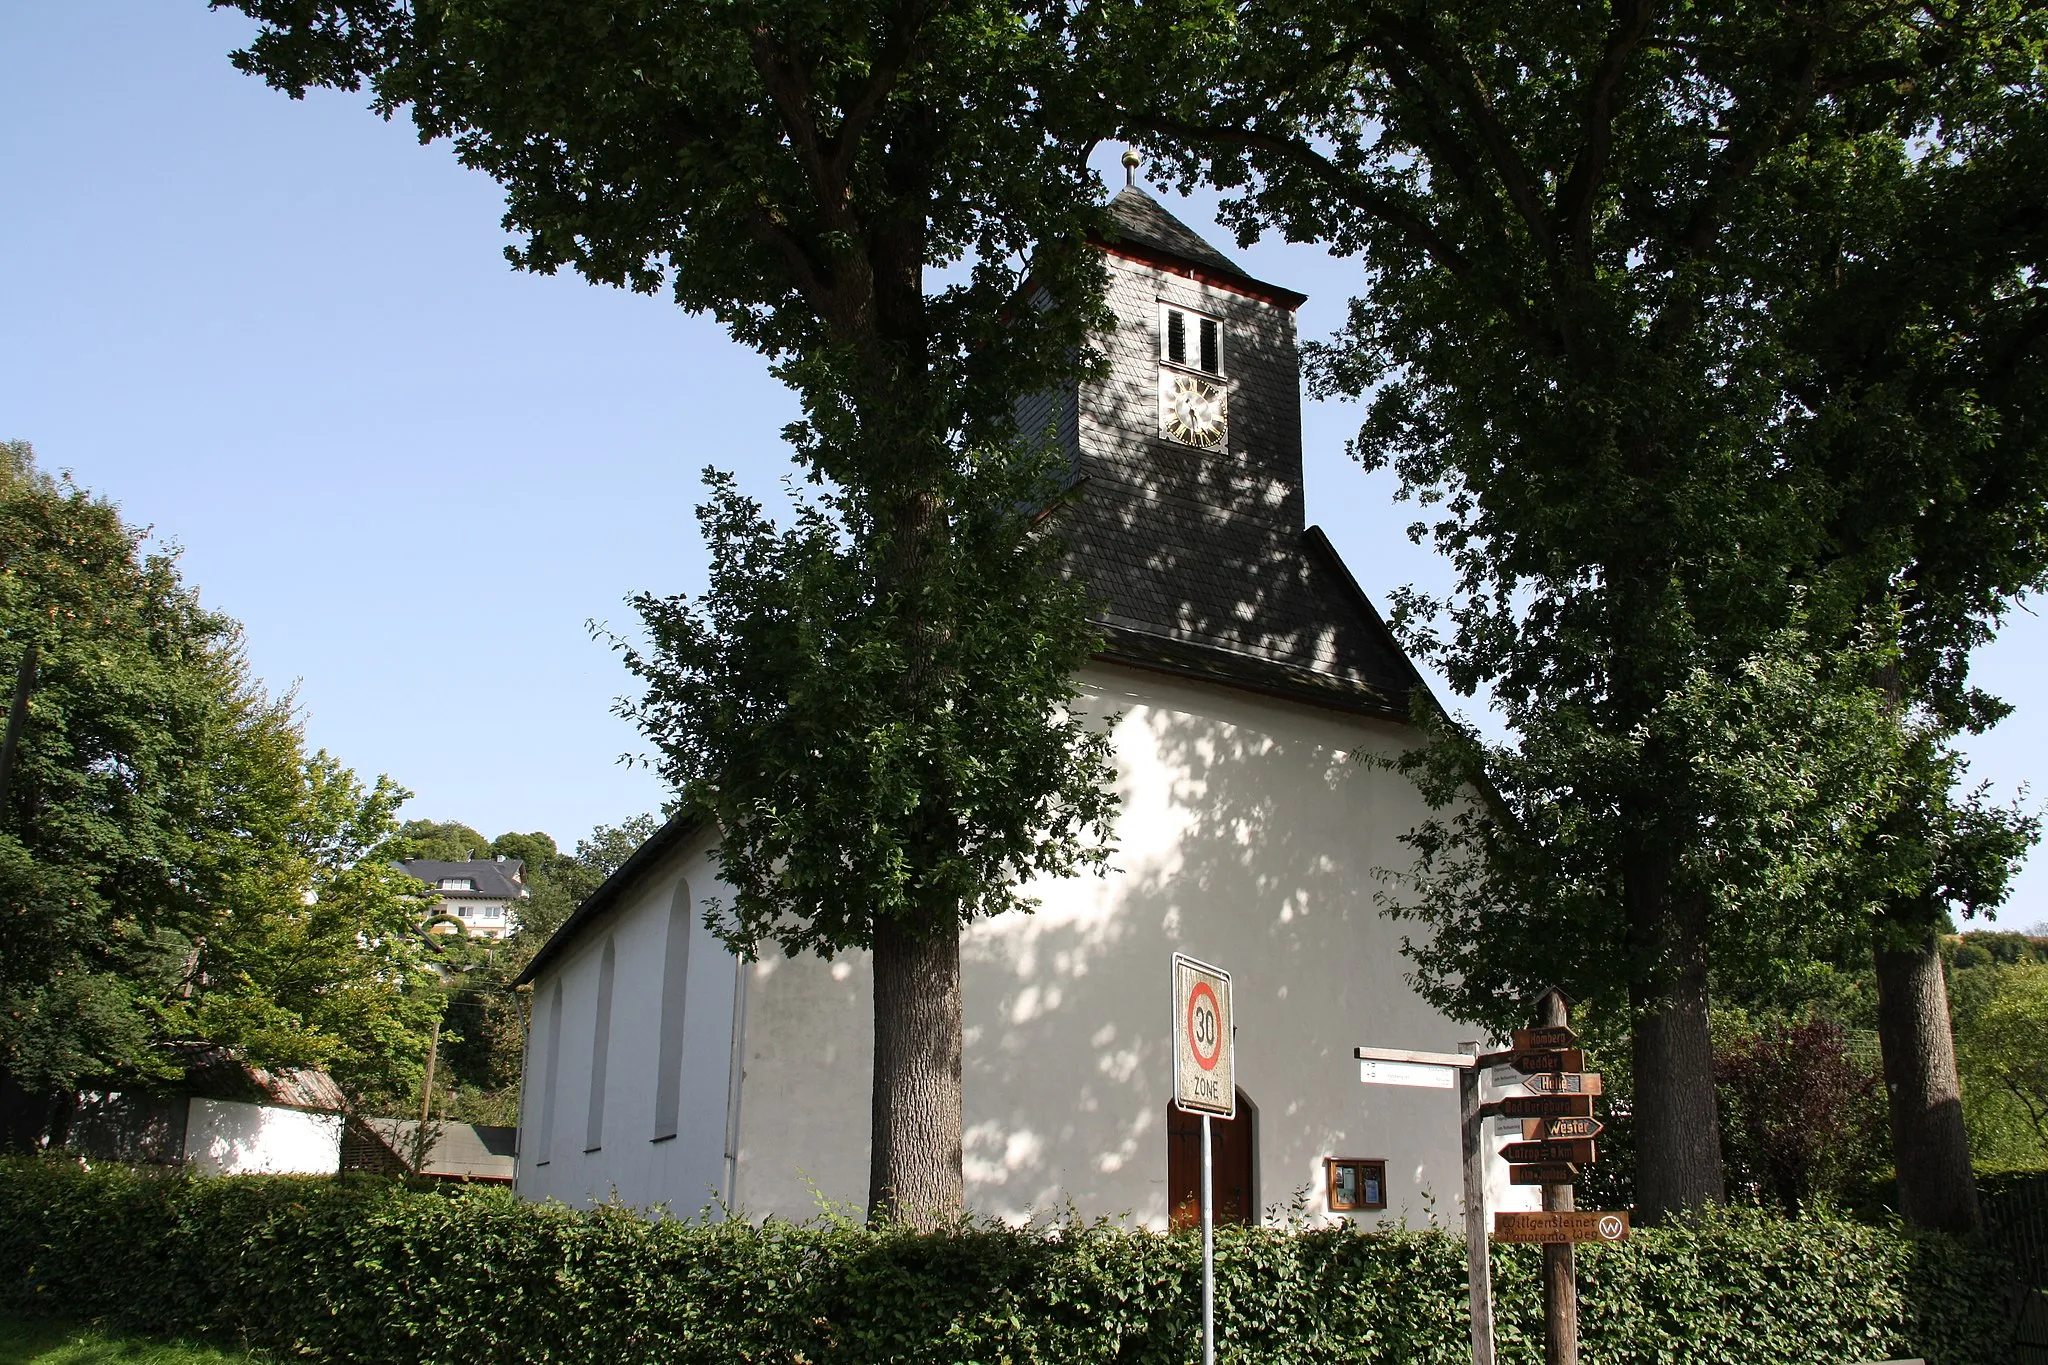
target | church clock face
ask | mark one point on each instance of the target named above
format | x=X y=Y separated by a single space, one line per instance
x=1191 y=410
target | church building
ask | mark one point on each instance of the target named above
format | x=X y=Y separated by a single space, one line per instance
x=1250 y=678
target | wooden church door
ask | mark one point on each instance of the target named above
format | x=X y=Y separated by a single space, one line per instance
x=1232 y=1143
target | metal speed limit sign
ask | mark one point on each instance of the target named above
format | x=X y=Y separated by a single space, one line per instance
x=1204 y=1058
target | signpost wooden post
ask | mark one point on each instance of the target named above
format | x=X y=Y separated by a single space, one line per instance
x=1478 y=1251
x=1558 y=1142
x=1560 y=1262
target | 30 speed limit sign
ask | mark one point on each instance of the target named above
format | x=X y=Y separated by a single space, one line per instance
x=1204 y=1063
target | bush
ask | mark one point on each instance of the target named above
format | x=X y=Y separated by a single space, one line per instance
x=368 y=1270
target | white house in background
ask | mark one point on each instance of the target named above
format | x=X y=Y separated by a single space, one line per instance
x=1248 y=677
x=484 y=893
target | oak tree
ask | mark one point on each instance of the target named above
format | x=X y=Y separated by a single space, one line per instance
x=1592 y=236
x=868 y=194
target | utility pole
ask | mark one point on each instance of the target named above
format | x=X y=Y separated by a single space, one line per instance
x=17 y=717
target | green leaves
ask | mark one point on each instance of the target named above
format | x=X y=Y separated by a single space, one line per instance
x=1692 y=331
x=173 y=865
x=782 y=704
x=367 y=1271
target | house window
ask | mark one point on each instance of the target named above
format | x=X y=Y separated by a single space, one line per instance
x=675 y=978
x=494 y=912
x=1190 y=340
x=600 y=1047
x=1356 y=1186
x=550 y=1075
x=456 y=884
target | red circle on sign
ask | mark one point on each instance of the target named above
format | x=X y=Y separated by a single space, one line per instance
x=1207 y=1063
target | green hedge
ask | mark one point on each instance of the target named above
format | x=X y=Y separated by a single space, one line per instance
x=369 y=1271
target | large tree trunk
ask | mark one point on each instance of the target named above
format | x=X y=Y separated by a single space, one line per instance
x=914 y=1167
x=1677 y=1123
x=1929 y=1144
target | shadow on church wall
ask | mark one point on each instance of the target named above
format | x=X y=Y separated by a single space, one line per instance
x=1251 y=845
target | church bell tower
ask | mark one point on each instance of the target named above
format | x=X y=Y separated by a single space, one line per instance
x=1190 y=521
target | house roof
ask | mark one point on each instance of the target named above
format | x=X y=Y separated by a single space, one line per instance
x=216 y=1072
x=493 y=877
x=457 y=1151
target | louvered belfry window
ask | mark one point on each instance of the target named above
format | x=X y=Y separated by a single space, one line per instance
x=1206 y=354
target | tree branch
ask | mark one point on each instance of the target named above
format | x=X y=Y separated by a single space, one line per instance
x=1581 y=189
x=1382 y=208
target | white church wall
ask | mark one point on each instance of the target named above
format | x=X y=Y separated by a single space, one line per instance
x=633 y=1162
x=1249 y=836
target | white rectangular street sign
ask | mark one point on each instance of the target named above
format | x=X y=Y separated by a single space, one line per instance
x=1204 y=1053
x=1408 y=1073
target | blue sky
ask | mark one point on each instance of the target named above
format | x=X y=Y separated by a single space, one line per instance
x=284 y=335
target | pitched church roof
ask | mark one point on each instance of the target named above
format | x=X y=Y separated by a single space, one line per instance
x=1140 y=226
x=1201 y=560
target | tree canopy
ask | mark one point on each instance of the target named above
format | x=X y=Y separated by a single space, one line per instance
x=173 y=865
x=1619 y=265
x=873 y=198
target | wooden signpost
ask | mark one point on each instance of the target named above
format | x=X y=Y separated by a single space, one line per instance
x=1554 y=1129
x=1558 y=1144
x=1586 y=1226
x=1544 y=1106
x=1546 y=1174
x=1558 y=1129
x=1578 y=1152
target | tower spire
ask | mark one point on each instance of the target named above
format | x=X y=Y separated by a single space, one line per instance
x=1131 y=163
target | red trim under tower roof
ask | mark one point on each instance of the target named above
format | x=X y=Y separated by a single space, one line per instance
x=1274 y=294
x=1140 y=229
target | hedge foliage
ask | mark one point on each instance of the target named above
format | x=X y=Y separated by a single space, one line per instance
x=370 y=1271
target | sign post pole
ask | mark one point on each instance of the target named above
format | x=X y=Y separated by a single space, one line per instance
x=1204 y=1083
x=1208 y=1248
x=1478 y=1256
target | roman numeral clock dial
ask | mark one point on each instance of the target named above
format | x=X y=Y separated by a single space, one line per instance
x=1191 y=410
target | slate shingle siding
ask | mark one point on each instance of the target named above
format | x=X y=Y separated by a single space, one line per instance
x=1193 y=551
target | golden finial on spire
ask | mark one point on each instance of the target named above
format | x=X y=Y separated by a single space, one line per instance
x=1131 y=163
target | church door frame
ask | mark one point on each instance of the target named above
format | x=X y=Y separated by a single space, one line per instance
x=1235 y=1144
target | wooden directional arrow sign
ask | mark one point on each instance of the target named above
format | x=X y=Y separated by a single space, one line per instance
x=1551 y=1130
x=1577 y=1152
x=1543 y=1107
x=1531 y=1039
x=1550 y=1173
x=1560 y=1059
x=1555 y=1083
x=1586 y=1226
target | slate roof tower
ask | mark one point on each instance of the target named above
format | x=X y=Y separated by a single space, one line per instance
x=1200 y=557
